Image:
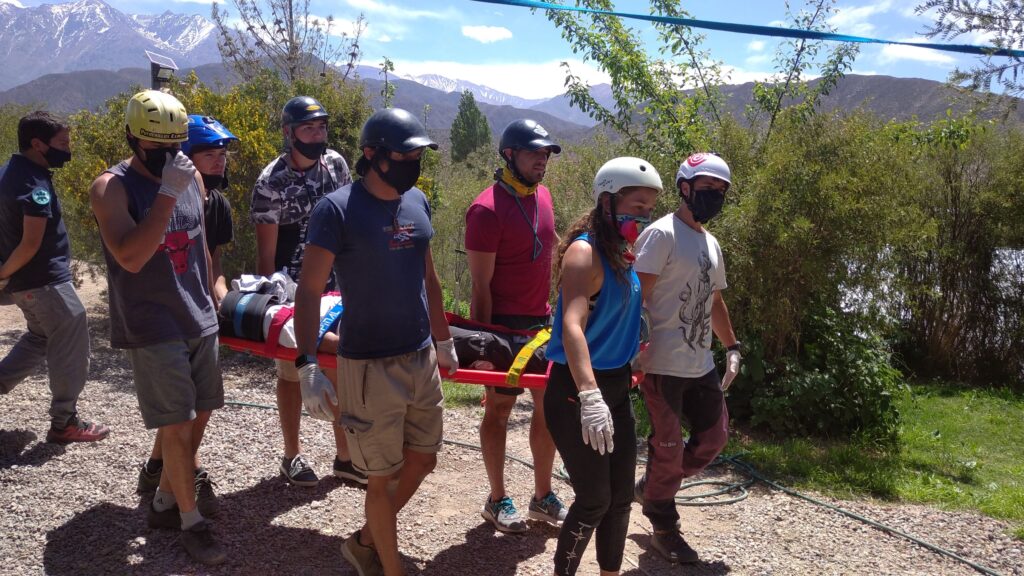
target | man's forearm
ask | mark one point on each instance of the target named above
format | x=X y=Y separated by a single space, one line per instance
x=20 y=256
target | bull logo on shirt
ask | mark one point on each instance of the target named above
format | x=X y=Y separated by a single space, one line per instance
x=180 y=239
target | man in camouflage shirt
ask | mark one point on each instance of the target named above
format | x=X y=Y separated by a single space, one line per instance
x=282 y=199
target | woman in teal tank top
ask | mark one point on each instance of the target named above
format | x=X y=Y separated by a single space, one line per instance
x=595 y=334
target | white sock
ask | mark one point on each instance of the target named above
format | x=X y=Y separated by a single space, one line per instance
x=163 y=500
x=190 y=519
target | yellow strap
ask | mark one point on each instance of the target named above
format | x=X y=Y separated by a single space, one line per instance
x=525 y=353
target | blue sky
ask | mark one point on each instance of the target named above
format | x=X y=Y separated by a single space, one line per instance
x=519 y=52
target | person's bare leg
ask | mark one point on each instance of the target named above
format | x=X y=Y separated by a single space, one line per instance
x=340 y=442
x=541 y=446
x=178 y=475
x=289 y=410
x=381 y=519
x=493 y=432
x=415 y=469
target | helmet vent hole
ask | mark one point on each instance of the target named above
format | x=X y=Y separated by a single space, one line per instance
x=643 y=168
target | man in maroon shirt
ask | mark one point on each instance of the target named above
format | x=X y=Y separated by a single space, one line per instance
x=510 y=240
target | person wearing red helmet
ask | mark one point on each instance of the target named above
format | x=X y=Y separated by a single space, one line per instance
x=682 y=275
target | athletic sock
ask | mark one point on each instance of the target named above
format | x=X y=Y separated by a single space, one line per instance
x=190 y=519
x=163 y=500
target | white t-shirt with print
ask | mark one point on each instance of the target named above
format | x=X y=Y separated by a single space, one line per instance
x=690 y=268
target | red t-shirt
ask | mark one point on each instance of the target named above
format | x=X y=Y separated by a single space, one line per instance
x=496 y=223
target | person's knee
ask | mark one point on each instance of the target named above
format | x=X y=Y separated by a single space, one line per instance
x=498 y=408
x=420 y=463
x=592 y=509
x=202 y=417
x=179 y=432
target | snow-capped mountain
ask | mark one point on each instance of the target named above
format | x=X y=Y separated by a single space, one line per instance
x=480 y=93
x=90 y=34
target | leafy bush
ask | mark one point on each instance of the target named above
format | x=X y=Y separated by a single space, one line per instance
x=842 y=384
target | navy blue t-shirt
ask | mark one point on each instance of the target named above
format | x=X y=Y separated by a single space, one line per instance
x=380 y=252
x=26 y=189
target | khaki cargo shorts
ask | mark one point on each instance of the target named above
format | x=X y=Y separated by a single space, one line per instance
x=389 y=405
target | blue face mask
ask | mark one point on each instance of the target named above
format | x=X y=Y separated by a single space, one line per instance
x=630 y=226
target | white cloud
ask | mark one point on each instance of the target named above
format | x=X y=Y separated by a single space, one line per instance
x=854 y=19
x=547 y=79
x=14 y=3
x=398 y=12
x=757 y=59
x=735 y=75
x=487 y=34
x=384 y=38
x=755 y=46
x=893 y=53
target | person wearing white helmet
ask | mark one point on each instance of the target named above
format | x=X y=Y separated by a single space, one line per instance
x=149 y=209
x=682 y=275
x=594 y=336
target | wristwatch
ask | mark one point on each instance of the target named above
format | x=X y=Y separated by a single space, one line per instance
x=303 y=359
x=737 y=347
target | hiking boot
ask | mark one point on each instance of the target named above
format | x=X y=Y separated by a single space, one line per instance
x=346 y=471
x=363 y=558
x=206 y=500
x=548 y=509
x=169 y=519
x=671 y=545
x=200 y=545
x=77 y=430
x=503 y=515
x=298 y=472
x=148 y=481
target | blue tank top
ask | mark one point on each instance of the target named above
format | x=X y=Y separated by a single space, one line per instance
x=613 y=326
x=169 y=298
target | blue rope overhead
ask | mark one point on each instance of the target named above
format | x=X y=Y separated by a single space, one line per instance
x=766 y=30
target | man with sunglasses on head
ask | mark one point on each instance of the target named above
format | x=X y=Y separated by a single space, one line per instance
x=282 y=200
x=510 y=239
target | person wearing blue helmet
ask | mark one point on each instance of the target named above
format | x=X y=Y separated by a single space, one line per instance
x=207 y=147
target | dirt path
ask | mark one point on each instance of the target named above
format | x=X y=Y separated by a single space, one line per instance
x=72 y=510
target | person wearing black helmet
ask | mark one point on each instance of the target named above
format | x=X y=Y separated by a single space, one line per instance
x=375 y=234
x=510 y=238
x=282 y=199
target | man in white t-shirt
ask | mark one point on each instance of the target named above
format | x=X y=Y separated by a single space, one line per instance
x=682 y=275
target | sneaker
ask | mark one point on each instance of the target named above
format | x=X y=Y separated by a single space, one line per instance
x=503 y=515
x=671 y=545
x=346 y=471
x=363 y=558
x=169 y=519
x=548 y=509
x=206 y=500
x=148 y=481
x=200 y=545
x=77 y=430
x=298 y=472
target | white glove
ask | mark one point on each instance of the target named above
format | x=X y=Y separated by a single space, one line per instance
x=732 y=368
x=178 y=175
x=446 y=355
x=596 y=421
x=317 y=392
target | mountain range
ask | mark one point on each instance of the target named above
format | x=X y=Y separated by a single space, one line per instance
x=91 y=52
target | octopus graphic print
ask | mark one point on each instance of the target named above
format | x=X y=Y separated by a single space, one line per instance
x=694 y=311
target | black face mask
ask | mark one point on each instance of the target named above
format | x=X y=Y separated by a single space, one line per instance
x=213 y=182
x=56 y=157
x=156 y=158
x=401 y=175
x=705 y=204
x=313 y=151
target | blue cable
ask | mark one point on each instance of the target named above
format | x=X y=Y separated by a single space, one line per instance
x=765 y=30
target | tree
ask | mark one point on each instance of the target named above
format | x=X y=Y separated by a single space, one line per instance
x=469 y=129
x=286 y=36
x=1003 y=20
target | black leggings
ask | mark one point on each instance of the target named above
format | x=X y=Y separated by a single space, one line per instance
x=603 y=484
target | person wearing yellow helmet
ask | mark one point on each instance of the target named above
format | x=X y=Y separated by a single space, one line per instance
x=149 y=208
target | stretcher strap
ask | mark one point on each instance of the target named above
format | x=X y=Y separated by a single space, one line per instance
x=277 y=323
x=329 y=321
x=525 y=353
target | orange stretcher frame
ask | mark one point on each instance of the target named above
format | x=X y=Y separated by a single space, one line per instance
x=327 y=360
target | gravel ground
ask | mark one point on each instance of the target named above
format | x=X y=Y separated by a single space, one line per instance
x=73 y=511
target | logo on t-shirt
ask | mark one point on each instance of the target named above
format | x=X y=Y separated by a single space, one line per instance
x=694 y=312
x=41 y=196
x=401 y=236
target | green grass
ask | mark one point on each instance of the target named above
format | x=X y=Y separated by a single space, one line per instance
x=959 y=449
x=460 y=395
